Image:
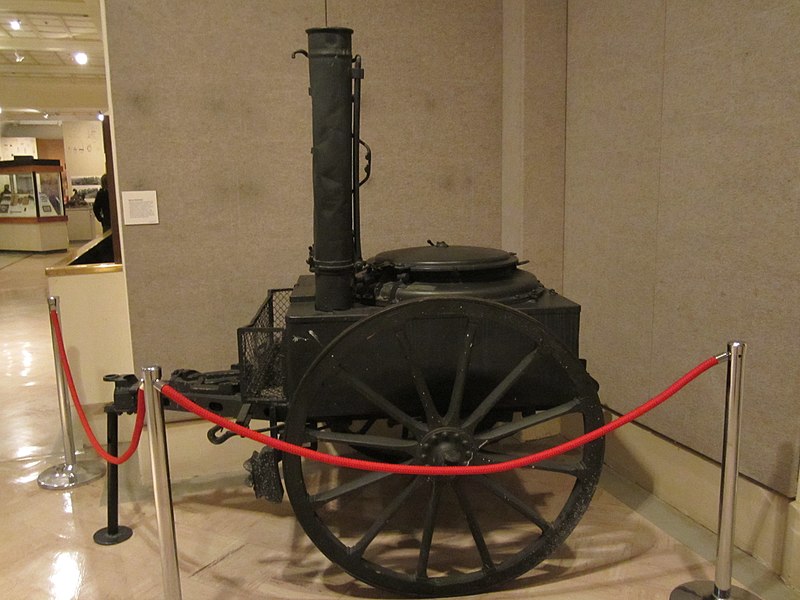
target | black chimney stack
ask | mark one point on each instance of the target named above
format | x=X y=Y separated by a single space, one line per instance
x=333 y=255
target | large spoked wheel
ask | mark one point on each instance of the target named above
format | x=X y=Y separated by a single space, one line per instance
x=443 y=382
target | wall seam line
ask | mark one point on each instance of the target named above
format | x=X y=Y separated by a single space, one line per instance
x=564 y=157
x=658 y=192
x=512 y=129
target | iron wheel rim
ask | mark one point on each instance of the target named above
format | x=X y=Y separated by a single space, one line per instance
x=309 y=506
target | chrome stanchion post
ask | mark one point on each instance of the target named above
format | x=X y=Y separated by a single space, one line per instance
x=159 y=461
x=722 y=588
x=71 y=472
x=730 y=469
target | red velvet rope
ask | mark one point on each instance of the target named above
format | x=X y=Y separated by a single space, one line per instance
x=367 y=465
x=137 y=428
x=354 y=463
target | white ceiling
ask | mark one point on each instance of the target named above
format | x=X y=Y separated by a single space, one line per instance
x=48 y=80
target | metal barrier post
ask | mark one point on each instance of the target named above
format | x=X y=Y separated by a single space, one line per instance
x=71 y=472
x=113 y=533
x=722 y=588
x=159 y=460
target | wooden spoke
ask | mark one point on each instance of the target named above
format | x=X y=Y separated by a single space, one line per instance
x=498 y=392
x=432 y=416
x=559 y=464
x=368 y=441
x=454 y=410
x=354 y=485
x=512 y=500
x=375 y=398
x=383 y=518
x=472 y=520
x=508 y=429
x=428 y=527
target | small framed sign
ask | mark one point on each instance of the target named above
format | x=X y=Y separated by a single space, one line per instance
x=140 y=208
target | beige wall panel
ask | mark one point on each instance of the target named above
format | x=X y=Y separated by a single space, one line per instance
x=611 y=194
x=513 y=138
x=728 y=242
x=432 y=113
x=545 y=83
x=682 y=212
x=212 y=113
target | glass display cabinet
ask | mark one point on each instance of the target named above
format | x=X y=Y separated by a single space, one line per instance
x=32 y=216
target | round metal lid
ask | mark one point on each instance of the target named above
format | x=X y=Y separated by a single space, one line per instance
x=441 y=257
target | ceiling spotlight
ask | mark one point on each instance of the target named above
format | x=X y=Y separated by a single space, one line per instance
x=101 y=116
x=46 y=115
x=15 y=24
x=18 y=57
x=80 y=58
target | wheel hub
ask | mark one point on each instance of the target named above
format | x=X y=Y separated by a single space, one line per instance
x=447 y=446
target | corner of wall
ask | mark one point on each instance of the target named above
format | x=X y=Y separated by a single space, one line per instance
x=767 y=524
x=791 y=544
x=513 y=119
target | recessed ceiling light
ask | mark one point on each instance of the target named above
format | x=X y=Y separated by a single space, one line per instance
x=80 y=58
x=15 y=24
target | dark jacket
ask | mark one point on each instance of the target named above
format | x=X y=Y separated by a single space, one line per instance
x=101 y=209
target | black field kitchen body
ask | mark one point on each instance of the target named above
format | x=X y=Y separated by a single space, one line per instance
x=433 y=355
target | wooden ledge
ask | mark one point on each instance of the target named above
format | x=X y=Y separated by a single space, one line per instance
x=60 y=270
x=65 y=266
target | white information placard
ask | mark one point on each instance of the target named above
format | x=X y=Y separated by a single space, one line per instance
x=140 y=208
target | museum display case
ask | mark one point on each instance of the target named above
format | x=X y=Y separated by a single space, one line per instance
x=32 y=216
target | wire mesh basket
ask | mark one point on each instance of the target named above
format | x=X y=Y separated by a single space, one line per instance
x=260 y=360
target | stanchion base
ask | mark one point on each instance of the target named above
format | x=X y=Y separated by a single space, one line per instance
x=63 y=476
x=704 y=590
x=104 y=538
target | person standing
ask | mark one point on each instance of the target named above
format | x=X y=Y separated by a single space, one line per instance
x=101 y=207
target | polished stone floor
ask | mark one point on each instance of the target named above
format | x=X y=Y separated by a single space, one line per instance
x=232 y=546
